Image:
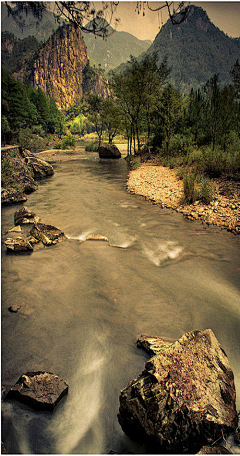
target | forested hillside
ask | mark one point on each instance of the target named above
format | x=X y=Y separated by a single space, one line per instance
x=196 y=49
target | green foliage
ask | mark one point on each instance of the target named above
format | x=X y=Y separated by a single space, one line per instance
x=92 y=146
x=67 y=142
x=6 y=171
x=137 y=163
x=198 y=188
x=190 y=188
x=31 y=141
x=24 y=107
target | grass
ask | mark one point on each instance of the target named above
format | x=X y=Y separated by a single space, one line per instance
x=91 y=146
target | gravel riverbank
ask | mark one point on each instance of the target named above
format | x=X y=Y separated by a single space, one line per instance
x=161 y=185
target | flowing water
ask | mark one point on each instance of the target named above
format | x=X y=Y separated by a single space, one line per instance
x=84 y=303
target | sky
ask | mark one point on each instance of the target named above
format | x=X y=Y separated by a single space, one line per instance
x=225 y=15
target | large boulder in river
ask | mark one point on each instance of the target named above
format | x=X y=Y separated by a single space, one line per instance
x=109 y=151
x=40 y=390
x=185 y=397
x=47 y=234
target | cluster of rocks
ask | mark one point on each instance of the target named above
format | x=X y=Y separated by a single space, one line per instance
x=20 y=168
x=39 y=232
x=162 y=186
x=184 y=398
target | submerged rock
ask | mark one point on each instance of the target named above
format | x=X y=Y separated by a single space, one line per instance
x=40 y=390
x=14 y=308
x=109 y=151
x=96 y=237
x=185 y=397
x=47 y=234
x=24 y=216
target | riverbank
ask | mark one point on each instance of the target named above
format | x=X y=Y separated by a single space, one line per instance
x=161 y=185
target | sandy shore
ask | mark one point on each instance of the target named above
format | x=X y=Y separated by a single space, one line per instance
x=162 y=186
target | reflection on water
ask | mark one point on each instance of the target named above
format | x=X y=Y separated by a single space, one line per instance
x=90 y=301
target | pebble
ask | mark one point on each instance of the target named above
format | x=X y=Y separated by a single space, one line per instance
x=162 y=186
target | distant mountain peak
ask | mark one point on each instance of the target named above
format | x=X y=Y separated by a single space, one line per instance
x=196 y=50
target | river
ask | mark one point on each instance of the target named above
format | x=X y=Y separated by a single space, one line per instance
x=86 y=302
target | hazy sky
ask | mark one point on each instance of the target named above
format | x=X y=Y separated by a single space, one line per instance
x=225 y=15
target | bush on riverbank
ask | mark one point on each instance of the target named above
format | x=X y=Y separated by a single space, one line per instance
x=91 y=146
x=65 y=143
x=198 y=188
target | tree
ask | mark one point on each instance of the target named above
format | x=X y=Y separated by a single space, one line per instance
x=112 y=117
x=84 y=14
x=213 y=114
x=95 y=110
x=170 y=111
x=235 y=74
x=137 y=90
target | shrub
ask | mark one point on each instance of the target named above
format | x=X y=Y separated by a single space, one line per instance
x=92 y=146
x=190 y=188
x=137 y=163
x=30 y=141
x=68 y=141
x=207 y=190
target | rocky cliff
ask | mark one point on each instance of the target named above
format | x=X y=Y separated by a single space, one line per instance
x=61 y=68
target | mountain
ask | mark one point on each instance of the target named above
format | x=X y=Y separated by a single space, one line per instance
x=18 y=55
x=115 y=49
x=62 y=68
x=196 y=50
x=41 y=30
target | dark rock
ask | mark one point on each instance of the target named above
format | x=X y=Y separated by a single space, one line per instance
x=20 y=244
x=218 y=449
x=47 y=234
x=14 y=308
x=39 y=167
x=12 y=196
x=24 y=216
x=40 y=390
x=109 y=151
x=185 y=397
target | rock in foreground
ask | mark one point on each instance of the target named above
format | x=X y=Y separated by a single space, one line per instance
x=109 y=151
x=20 y=244
x=40 y=390
x=47 y=234
x=24 y=216
x=185 y=397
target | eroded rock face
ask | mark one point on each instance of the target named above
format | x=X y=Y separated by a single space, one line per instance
x=109 y=151
x=185 y=397
x=47 y=234
x=40 y=390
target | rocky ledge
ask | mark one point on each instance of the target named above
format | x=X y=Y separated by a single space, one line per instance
x=20 y=168
x=162 y=186
x=40 y=390
x=184 y=398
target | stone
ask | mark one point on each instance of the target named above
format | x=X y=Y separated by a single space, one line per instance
x=152 y=345
x=96 y=237
x=15 y=229
x=218 y=449
x=47 y=234
x=109 y=151
x=12 y=196
x=184 y=398
x=39 y=167
x=24 y=216
x=3 y=449
x=14 y=308
x=40 y=390
x=20 y=244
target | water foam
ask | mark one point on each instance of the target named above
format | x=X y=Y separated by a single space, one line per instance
x=161 y=251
